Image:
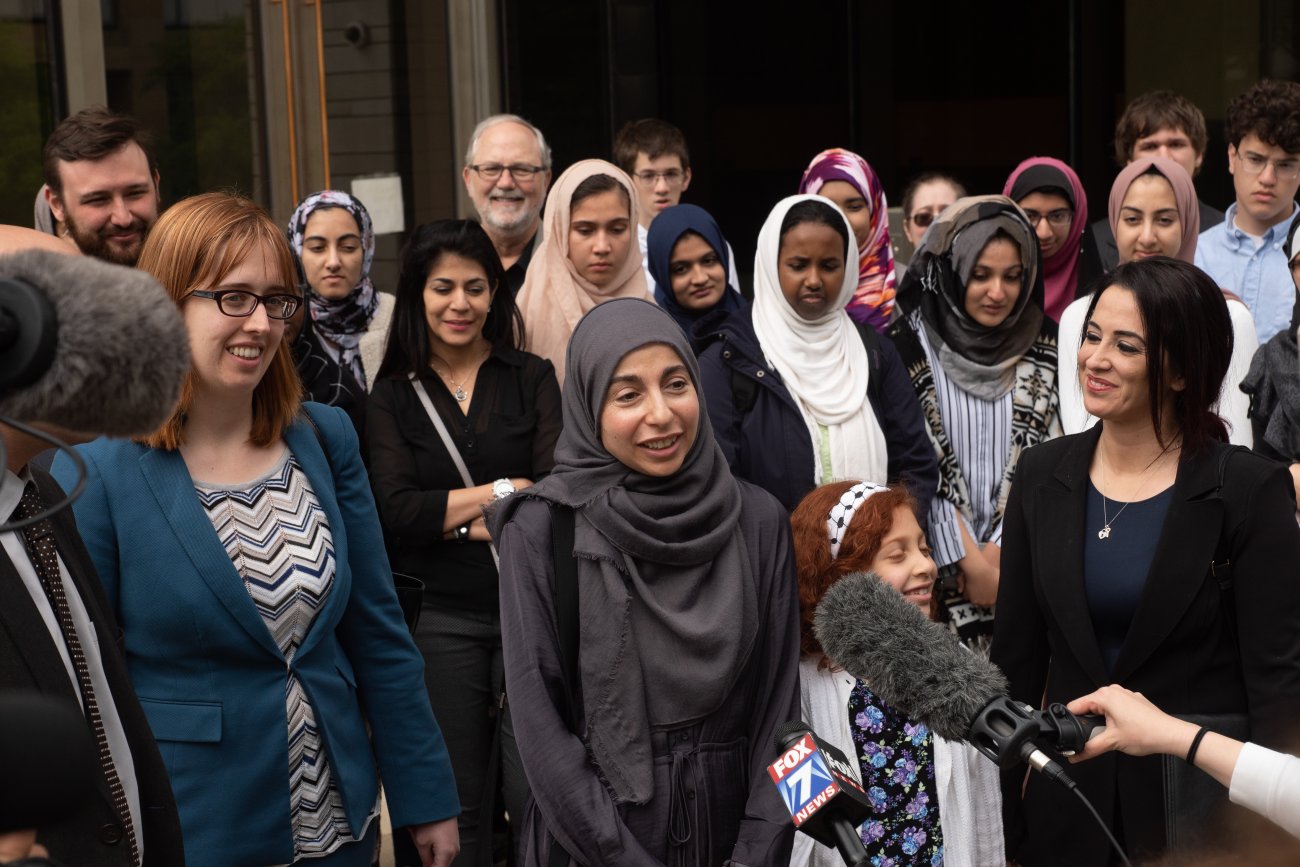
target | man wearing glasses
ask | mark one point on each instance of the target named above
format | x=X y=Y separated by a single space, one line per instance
x=1244 y=253
x=507 y=173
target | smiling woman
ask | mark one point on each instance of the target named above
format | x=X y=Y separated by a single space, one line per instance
x=1148 y=552
x=278 y=610
x=455 y=344
x=648 y=743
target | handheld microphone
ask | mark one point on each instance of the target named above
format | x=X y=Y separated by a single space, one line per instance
x=821 y=790
x=86 y=345
x=50 y=764
x=918 y=666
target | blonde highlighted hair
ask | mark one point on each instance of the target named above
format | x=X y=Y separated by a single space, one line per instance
x=194 y=245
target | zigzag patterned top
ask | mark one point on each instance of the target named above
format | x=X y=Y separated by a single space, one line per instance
x=278 y=537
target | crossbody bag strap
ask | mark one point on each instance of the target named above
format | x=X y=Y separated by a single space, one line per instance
x=566 y=624
x=449 y=444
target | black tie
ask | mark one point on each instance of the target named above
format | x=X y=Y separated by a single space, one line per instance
x=45 y=558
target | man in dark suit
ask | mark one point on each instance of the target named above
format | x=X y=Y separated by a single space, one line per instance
x=66 y=643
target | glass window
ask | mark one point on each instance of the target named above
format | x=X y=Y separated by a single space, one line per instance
x=28 y=101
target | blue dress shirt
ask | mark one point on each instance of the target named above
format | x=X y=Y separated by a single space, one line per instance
x=1260 y=276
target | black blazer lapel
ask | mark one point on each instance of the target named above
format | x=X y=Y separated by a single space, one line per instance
x=1061 y=504
x=29 y=639
x=1187 y=543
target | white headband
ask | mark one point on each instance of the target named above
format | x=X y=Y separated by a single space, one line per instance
x=837 y=522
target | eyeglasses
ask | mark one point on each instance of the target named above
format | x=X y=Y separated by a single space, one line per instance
x=672 y=177
x=1254 y=164
x=1059 y=217
x=923 y=219
x=237 y=302
x=519 y=171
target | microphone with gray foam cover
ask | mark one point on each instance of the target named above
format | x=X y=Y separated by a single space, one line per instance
x=913 y=663
x=118 y=352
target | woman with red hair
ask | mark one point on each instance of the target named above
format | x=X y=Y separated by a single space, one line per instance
x=935 y=801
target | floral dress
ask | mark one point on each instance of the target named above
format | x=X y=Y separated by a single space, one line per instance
x=896 y=757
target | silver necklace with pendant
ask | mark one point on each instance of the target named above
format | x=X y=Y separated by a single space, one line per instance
x=1106 y=521
x=458 y=391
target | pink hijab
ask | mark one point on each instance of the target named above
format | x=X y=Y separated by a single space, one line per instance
x=1189 y=209
x=1060 y=270
x=554 y=296
x=873 y=302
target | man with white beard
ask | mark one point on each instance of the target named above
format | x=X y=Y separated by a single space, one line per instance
x=507 y=172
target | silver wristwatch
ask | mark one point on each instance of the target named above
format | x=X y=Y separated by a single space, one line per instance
x=502 y=488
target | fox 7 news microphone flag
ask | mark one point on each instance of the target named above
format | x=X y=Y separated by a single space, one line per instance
x=815 y=780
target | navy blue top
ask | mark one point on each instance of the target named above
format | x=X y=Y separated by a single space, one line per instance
x=1115 y=568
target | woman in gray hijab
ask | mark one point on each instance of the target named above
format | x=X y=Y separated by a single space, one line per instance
x=644 y=706
x=981 y=354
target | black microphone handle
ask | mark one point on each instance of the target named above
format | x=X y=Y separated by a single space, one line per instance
x=848 y=842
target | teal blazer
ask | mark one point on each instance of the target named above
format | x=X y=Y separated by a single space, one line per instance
x=210 y=677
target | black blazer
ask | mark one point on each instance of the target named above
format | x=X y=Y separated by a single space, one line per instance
x=1190 y=649
x=29 y=660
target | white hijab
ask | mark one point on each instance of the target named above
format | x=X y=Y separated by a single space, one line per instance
x=822 y=362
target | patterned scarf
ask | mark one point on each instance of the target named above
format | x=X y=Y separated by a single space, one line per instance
x=339 y=323
x=1035 y=410
x=873 y=302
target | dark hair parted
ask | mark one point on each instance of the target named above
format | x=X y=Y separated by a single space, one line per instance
x=408 y=348
x=594 y=186
x=650 y=136
x=1271 y=110
x=909 y=193
x=1188 y=335
x=809 y=211
x=815 y=571
x=91 y=134
x=1152 y=112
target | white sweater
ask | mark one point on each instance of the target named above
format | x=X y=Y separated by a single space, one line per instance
x=1267 y=783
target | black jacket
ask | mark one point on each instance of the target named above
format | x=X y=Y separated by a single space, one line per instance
x=30 y=660
x=769 y=444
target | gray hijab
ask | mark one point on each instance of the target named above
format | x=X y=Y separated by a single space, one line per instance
x=980 y=359
x=666 y=602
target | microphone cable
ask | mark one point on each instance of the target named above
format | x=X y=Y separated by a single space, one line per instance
x=68 y=450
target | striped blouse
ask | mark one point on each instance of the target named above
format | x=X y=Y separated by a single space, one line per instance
x=980 y=433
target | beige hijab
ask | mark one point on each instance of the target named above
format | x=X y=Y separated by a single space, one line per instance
x=554 y=297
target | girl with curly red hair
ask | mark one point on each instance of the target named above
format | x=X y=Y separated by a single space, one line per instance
x=935 y=801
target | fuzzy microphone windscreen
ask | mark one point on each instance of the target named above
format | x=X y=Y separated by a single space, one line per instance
x=914 y=664
x=121 y=351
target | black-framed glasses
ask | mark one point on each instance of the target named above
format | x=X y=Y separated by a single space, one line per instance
x=518 y=171
x=1059 y=217
x=238 y=302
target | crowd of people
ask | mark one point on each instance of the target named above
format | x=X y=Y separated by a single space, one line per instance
x=622 y=482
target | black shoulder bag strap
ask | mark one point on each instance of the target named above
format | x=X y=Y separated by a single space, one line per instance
x=1221 y=565
x=566 y=624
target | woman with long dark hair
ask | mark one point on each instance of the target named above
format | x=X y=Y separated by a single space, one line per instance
x=1147 y=552
x=460 y=417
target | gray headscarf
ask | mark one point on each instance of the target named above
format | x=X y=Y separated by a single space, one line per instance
x=666 y=603
x=980 y=359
